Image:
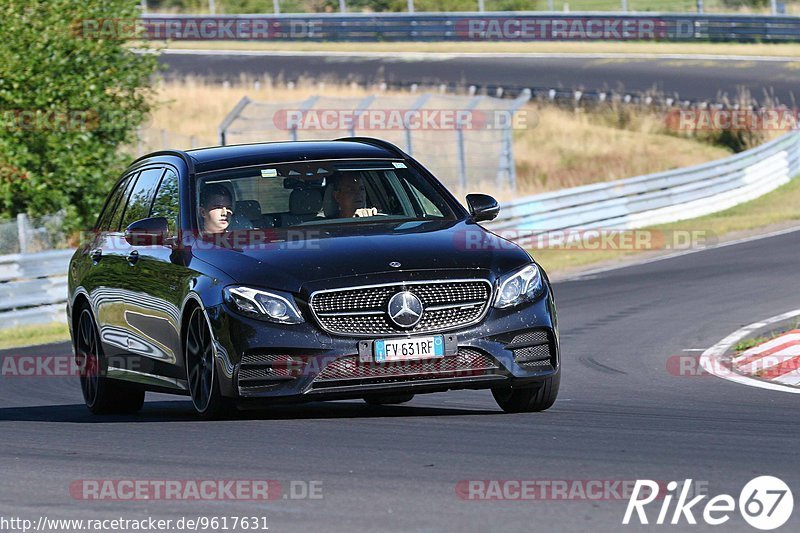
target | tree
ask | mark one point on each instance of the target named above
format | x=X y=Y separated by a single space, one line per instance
x=69 y=100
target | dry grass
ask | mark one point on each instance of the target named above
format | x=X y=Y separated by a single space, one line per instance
x=33 y=335
x=571 y=147
x=194 y=108
x=565 y=148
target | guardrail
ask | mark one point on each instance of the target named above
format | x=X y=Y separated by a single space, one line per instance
x=33 y=288
x=478 y=26
x=658 y=198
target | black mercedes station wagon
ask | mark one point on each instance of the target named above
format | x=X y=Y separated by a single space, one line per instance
x=301 y=271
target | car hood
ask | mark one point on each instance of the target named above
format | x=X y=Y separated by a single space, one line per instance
x=287 y=259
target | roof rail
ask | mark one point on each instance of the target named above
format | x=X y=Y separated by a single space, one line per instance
x=177 y=153
x=386 y=145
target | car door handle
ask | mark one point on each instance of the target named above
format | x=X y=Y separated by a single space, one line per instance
x=97 y=255
x=133 y=257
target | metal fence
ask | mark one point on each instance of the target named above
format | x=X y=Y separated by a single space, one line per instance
x=467 y=141
x=33 y=288
x=774 y=6
x=476 y=27
x=154 y=139
x=26 y=235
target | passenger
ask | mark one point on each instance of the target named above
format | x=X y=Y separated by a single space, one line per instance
x=351 y=197
x=216 y=208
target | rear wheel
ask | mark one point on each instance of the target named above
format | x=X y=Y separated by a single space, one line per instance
x=101 y=395
x=388 y=399
x=529 y=399
x=203 y=381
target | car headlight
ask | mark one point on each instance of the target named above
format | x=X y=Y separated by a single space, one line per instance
x=519 y=286
x=263 y=305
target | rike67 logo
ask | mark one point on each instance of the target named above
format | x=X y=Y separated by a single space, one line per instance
x=765 y=502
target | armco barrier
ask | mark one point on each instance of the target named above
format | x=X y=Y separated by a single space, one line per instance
x=490 y=26
x=658 y=198
x=33 y=287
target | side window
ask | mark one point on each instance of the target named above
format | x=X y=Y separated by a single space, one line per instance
x=125 y=191
x=165 y=204
x=141 y=196
x=104 y=220
x=429 y=209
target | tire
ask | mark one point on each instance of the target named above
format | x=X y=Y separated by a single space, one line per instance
x=528 y=400
x=388 y=399
x=208 y=402
x=101 y=395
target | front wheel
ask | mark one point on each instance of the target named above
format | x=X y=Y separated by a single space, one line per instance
x=203 y=381
x=528 y=400
x=101 y=395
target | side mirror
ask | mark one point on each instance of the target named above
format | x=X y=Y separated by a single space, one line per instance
x=147 y=232
x=482 y=207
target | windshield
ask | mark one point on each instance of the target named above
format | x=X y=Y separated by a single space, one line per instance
x=316 y=192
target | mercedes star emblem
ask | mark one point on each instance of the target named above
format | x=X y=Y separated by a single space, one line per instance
x=405 y=309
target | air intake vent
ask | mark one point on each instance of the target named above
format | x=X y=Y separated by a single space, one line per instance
x=468 y=362
x=258 y=370
x=533 y=349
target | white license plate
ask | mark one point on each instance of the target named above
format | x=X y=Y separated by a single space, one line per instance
x=409 y=349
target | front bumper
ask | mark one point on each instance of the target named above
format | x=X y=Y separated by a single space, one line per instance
x=264 y=361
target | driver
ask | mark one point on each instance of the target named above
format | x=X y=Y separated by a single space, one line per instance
x=351 y=197
x=216 y=208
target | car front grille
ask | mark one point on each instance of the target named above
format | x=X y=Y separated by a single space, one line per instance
x=468 y=362
x=362 y=311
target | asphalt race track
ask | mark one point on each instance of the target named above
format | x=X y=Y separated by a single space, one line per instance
x=689 y=79
x=620 y=416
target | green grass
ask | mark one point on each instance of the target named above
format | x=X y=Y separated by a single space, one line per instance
x=33 y=335
x=751 y=343
x=778 y=207
x=746 y=344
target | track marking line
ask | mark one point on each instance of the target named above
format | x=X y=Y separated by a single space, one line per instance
x=768 y=357
x=771 y=346
x=713 y=360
